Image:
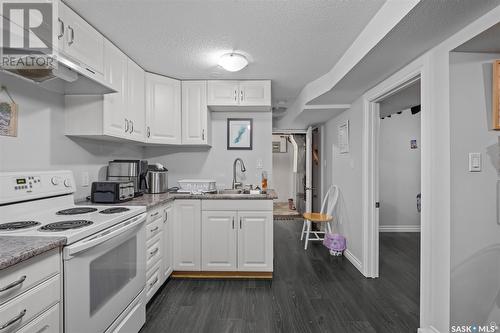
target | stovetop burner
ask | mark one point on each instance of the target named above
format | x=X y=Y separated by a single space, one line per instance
x=114 y=210
x=76 y=210
x=18 y=225
x=65 y=225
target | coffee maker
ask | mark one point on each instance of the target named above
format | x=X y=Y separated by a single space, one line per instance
x=129 y=170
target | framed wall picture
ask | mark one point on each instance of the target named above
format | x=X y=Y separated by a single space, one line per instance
x=239 y=134
x=344 y=137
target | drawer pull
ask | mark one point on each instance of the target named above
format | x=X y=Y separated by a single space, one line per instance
x=153 y=283
x=13 y=320
x=154 y=229
x=154 y=214
x=155 y=251
x=13 y=284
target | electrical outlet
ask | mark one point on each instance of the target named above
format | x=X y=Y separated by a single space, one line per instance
x=260 y=164
x=85 y=179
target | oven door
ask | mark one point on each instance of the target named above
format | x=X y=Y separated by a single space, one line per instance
x=103 y=274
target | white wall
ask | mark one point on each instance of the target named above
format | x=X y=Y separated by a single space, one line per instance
x=283 y=176
x=399 y=170
x=475 y=232
x=217 y=162
x=344 y=170
x=41 y=143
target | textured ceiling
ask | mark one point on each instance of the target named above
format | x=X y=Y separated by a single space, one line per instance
x=486 y=42
x=428 y=24
x=402 y=100
x=291 y=42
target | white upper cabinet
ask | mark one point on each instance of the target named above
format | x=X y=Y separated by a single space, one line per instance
x=221 y=92
x=135 y=101
x=163 y=109
x=80 y=41
x=250 y=95
x=195 y=115
x=255 y=93
x=115 y=122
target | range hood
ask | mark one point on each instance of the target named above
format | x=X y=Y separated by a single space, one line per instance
x=67 y=78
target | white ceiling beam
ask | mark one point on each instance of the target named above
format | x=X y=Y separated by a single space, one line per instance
x=389 y=15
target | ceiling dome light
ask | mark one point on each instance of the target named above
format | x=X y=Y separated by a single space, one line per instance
x=233 y=62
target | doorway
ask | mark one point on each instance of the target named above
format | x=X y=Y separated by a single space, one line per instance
x=399 y=194
x=289 y=174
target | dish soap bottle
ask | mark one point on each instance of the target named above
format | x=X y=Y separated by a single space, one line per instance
x=264 y=181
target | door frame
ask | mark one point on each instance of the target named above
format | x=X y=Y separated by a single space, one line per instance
x=308 y=133
x=418 y=70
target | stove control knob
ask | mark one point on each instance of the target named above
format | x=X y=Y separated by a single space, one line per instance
x=67 y=183
x=55 y=181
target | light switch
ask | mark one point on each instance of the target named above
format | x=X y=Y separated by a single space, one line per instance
x=474 y=162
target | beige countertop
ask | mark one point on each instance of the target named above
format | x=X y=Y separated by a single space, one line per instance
x=152 y=200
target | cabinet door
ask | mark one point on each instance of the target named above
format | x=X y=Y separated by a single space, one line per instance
x=115 y=122
x=135 y=101
x=194 y=112
x=82 y=42
x=218 y=241
x=221 y=92
x=255 y=241
x=187 y=235
x=255 y=93
x=163 y=109
x=167 y=257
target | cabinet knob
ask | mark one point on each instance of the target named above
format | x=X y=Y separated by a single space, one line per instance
x=241 y=95
x=235 y=95
x=203 y=134
x=126 y=125
x=131 y=127
x=149 y=132
x=72 y=35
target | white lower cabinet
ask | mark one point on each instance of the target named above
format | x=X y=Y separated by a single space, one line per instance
x=218 y=240
x=255 y=241
x=158 y=248
x=167 y=256
x=187 y=235
x=31 y=302
x=237 y=235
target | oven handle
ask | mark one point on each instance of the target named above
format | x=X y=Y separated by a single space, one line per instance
x=71 y=250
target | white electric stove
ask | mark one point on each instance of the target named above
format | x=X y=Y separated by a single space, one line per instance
x=104 y=255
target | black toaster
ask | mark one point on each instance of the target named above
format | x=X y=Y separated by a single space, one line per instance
x=112 y=191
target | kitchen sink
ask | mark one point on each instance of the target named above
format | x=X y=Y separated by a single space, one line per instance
x=234 y=191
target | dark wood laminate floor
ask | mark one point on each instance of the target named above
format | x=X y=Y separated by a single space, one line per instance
x=311 y=292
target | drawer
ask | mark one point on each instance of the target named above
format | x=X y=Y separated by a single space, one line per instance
x=154 y=250
x=28 y=274
x=153 y=229
x=153 y=281
x=154 y=215
x=31 y=303
x=232 y=205
x=47 y=322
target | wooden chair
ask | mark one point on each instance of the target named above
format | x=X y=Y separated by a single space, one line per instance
x=324 y=217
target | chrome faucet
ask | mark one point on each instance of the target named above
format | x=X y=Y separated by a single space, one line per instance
x=243 y=169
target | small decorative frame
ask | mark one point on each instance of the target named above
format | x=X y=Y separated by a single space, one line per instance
x=344 y=137
x=239 y=133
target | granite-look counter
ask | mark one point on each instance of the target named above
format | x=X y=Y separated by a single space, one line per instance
x=153 y=200
x=15 y=249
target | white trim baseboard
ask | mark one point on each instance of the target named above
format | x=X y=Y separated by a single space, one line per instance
x=354 y=260
x=399 y=228
x=430 y=329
